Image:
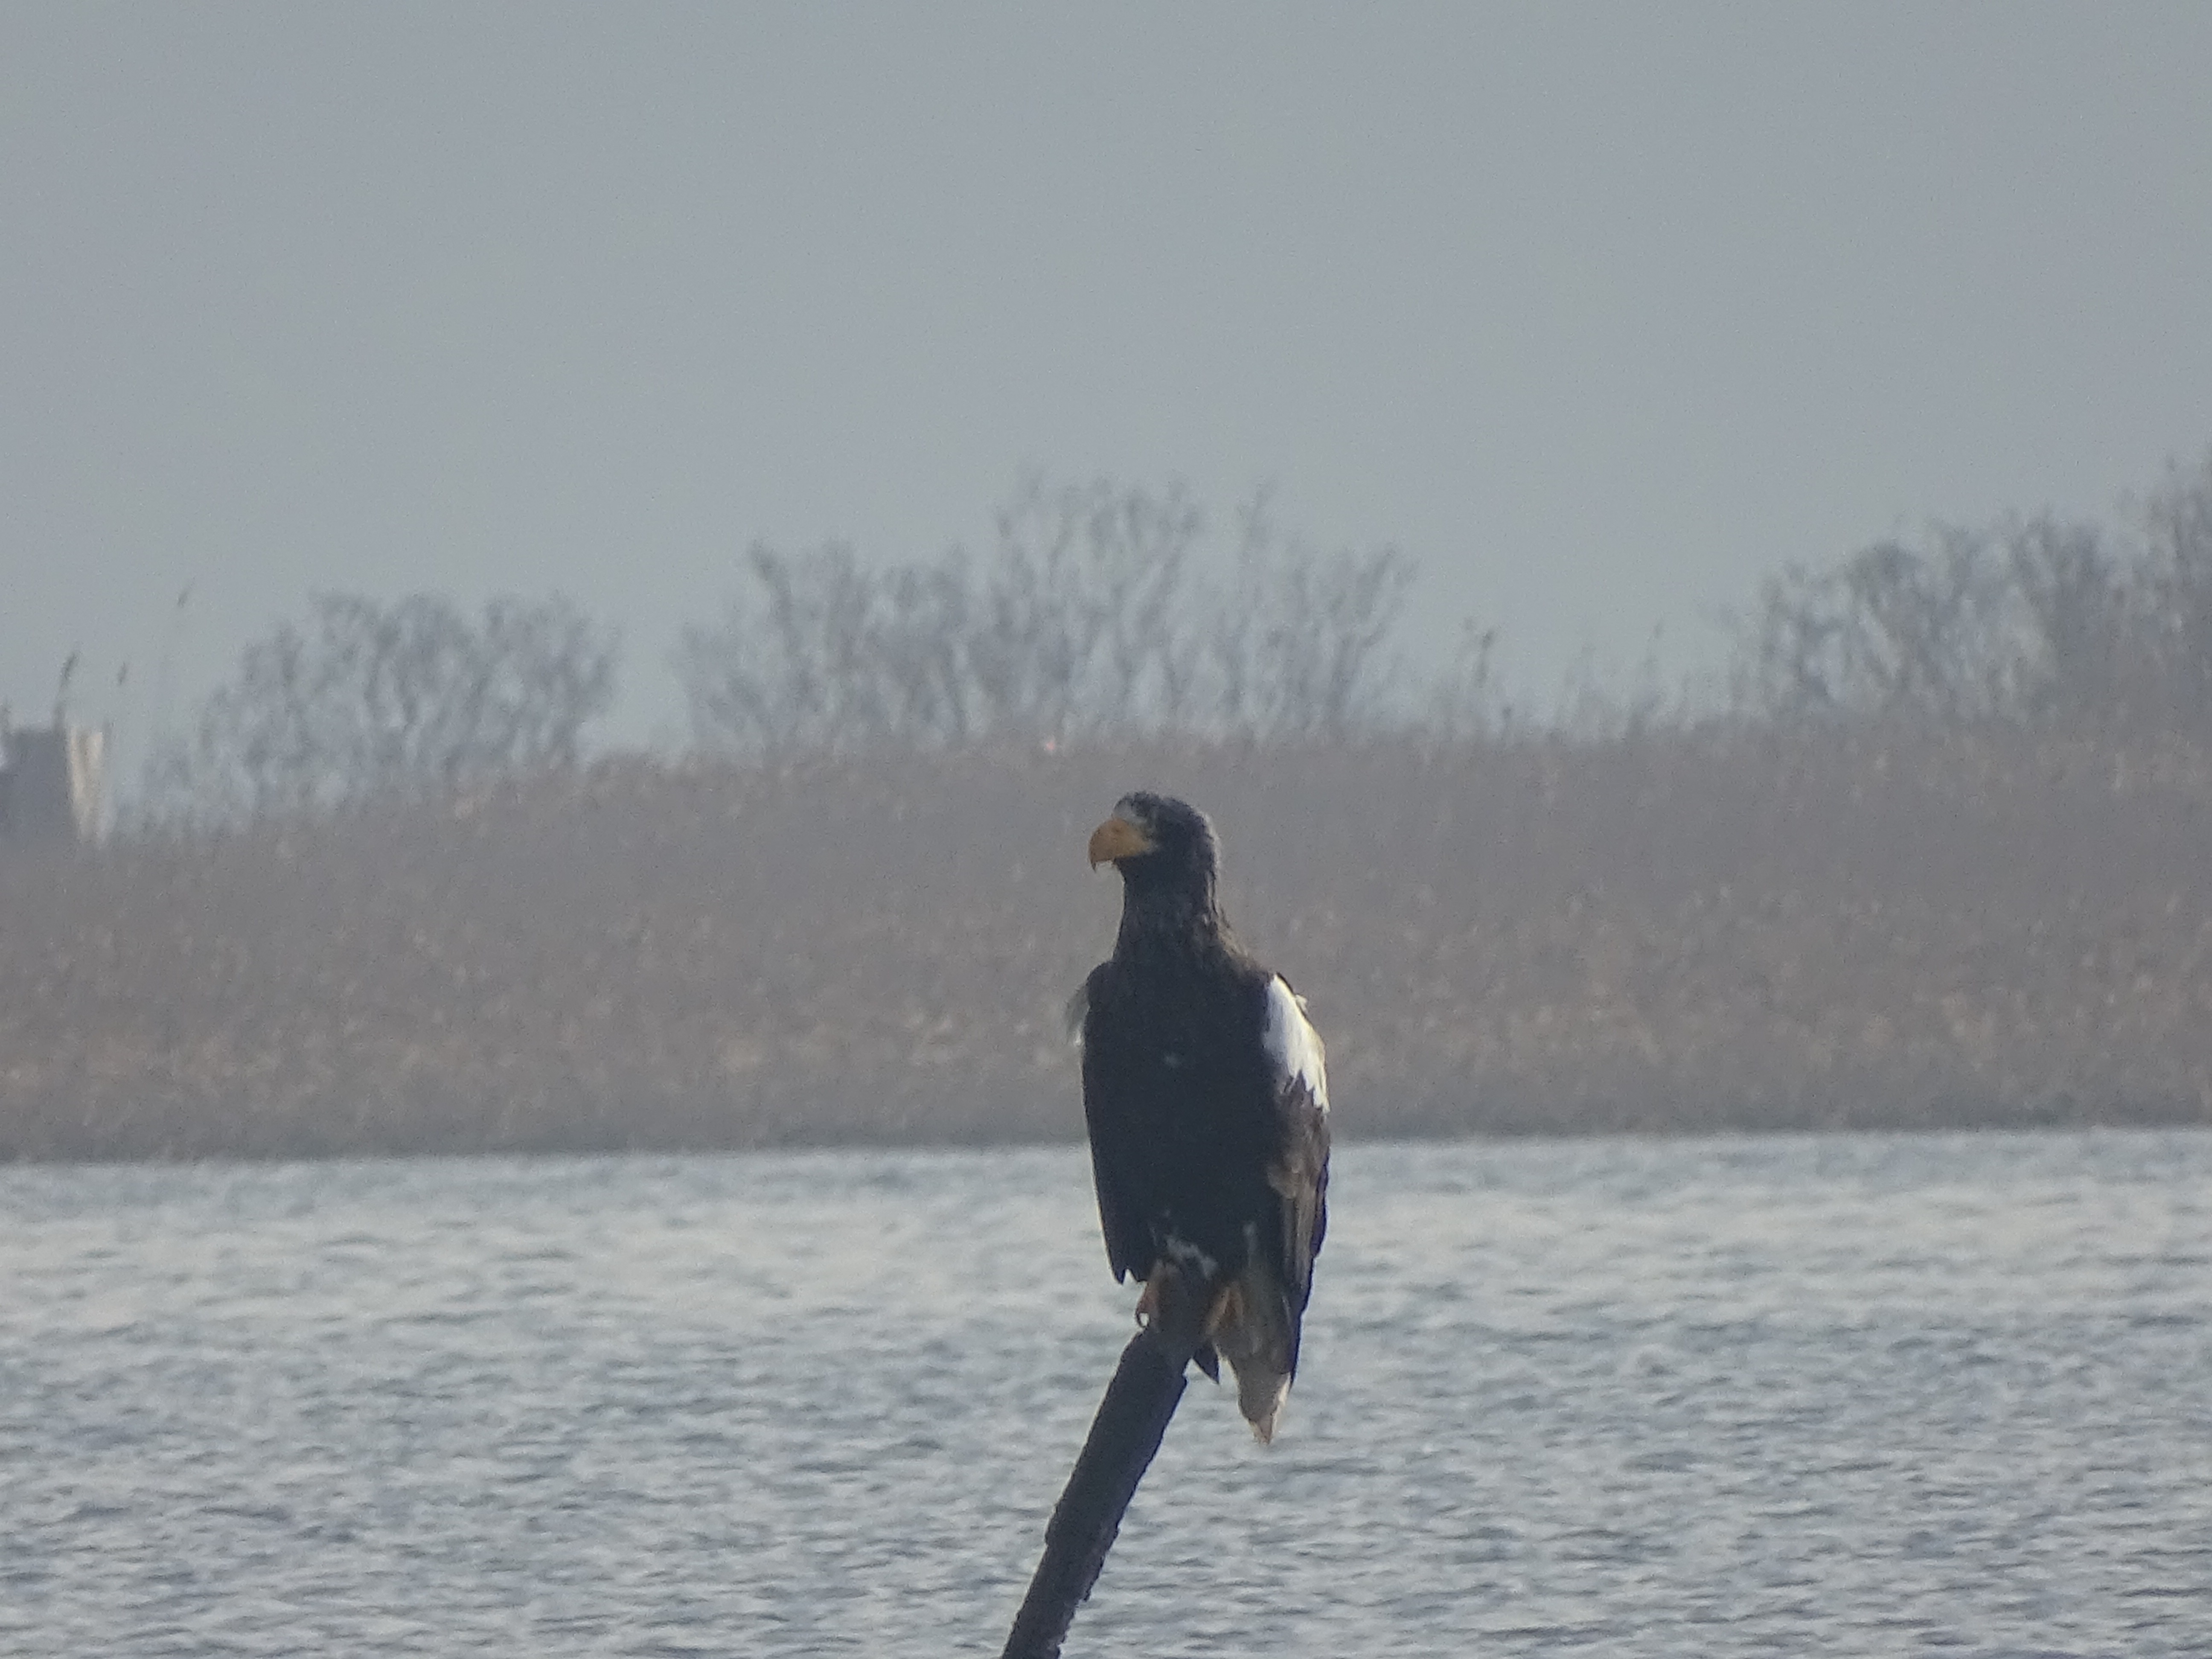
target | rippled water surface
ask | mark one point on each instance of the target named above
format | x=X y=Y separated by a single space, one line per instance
x=1863 y=1396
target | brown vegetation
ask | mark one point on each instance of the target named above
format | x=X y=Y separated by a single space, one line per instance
x=1670 y=931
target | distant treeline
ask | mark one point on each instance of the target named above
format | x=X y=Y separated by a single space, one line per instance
x=1091 y=617
x=1099 y=613
x=1938 y=857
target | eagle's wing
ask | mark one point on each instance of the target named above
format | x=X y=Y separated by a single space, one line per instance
x=1113 y=1160
x=1297 y=1169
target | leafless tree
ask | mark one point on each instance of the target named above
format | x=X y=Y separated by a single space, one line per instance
x=365 y=699
x=1084 y=619
x=2038 y=621
x=798 y=668
x=1464 y=702
x=1089 y=617
x=2177 y=522
x=1298 y=640
x=2083 y=608
x=1891 y=630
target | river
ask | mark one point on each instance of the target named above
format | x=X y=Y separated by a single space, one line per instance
x=1850 y=1395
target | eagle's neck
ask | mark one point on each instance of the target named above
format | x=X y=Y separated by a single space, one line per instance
x=1170 y=918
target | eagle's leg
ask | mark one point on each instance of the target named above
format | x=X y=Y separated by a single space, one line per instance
x=1148 y=1303
x=1165 y=1298
x=1228 y=1307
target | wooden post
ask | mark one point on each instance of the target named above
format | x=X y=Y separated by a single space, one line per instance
x=1132 y=1419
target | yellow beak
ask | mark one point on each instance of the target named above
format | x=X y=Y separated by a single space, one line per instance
x=1117 y=838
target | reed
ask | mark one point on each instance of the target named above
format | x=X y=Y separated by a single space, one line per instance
x=1658 y=931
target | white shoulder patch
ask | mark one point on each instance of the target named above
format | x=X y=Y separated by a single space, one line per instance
x=1293 y=1044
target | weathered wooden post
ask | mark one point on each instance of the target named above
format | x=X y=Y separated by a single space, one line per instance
x=1124 y=1436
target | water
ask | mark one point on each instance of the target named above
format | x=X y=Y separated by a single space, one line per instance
x=1850 y=1396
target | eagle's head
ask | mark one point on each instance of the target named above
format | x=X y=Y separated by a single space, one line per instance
x=1160 y=845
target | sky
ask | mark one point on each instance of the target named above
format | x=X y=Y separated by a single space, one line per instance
x=1600 y=313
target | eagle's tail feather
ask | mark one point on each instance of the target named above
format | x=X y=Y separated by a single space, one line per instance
x=1260 y=1395
x=1257 y=1334
x=1246 y=1321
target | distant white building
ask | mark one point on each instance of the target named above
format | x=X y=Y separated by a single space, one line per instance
x=53 y=783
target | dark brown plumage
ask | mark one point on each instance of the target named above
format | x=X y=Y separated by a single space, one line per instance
x=1206 y=1096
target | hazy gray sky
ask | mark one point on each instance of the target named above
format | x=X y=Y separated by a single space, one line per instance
x=1600 y=312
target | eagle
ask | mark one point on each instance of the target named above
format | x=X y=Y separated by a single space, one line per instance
x=1205 y=1094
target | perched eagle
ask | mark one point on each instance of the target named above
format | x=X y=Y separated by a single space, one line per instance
x=1207 y=1103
